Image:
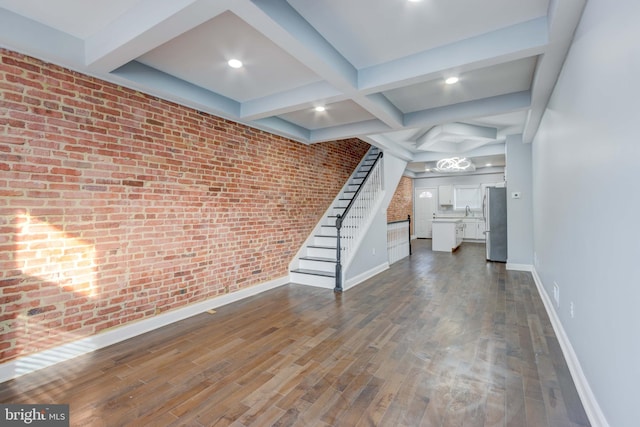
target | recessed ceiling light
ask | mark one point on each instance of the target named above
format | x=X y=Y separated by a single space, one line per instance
x=319 y=108
x=235 y=63
x=488 y=165
x=452 y=80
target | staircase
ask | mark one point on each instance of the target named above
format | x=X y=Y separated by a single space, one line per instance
x=317 y=264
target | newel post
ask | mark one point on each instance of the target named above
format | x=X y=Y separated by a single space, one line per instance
x=338 y=287
x=409 y=219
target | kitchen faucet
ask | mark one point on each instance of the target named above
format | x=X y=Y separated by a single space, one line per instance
x=467 y=210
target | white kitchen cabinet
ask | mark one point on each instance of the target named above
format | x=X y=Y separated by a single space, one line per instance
x=445 y=195
x=470 y=229
x=474 y=228
x=447 y=235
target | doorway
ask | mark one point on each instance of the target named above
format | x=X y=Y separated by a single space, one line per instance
x=425 y=208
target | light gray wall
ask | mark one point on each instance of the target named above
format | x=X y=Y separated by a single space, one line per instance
x=519 y=211
x=587 y=203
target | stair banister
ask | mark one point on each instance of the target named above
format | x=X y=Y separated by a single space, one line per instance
x=338 y=287
x=340 y=219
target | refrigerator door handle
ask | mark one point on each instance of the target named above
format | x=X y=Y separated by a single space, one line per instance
x=484 y=209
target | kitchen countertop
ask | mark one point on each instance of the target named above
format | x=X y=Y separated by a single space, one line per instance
x=457 y=218
x=447 y=219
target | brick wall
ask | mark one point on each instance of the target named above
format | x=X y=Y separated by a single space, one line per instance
x=402 y=202
x=116 y=206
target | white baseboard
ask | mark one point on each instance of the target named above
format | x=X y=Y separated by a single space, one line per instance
x=354 y=281
x=519 y=267
x=46 y=358
x=591 y=406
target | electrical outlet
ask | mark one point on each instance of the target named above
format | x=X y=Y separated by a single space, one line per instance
x=373 y=251
x=556 y=294
x=571 y=310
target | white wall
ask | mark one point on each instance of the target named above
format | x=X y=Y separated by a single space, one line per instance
x=587 y=203
x=519 y=211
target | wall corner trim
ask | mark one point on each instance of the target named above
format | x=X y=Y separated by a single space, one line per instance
x=356 y=280
x=519 y=267
x=588 y=399
x=52 y=356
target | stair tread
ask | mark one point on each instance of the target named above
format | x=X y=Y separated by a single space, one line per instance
x=322 y=247
x=318 y=258
x=314 y=272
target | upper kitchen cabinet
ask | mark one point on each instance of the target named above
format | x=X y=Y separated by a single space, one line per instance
x=445 y=195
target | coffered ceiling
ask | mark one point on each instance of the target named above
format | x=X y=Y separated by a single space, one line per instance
x=378 y=67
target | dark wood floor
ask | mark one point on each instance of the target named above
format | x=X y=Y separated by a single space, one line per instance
x=437 y=340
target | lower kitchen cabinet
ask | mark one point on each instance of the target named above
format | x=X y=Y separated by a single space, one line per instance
x=447 y=235
x=473 y=229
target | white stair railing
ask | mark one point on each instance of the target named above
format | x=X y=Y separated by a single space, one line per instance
x=351 y=224
x=399 y=239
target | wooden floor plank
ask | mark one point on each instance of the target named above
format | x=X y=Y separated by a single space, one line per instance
x=438 y=339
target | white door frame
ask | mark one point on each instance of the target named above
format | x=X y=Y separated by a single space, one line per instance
x=428 y=216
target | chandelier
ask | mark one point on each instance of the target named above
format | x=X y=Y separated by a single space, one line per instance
x=454 y=164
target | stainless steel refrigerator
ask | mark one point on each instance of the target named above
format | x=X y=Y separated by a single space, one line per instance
x=495 y=217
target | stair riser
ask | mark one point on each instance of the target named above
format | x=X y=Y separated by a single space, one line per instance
x=308 y=279
x=329 y=231
x=324 y=241
x=321 y=252
x=329 y=267
x=330 y=221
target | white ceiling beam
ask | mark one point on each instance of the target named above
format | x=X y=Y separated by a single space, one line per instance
x=459 y=130
x=283 y=128
x=147 y=79
x=282 y=24
x=485 y=150
x=384 y=143
x=432 y=117
x=26 y=35
x=319 y=93
x=351 y=130
x=148 y=24
x=504 y=45
x=564 y=18
x=380 y=106
x=458 y=112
